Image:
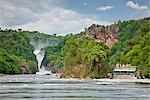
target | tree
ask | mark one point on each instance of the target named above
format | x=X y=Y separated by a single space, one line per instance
x=84 y=57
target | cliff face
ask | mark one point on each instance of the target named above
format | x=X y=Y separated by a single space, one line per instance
x=107 y=35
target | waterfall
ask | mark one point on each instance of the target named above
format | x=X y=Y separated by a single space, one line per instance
x=39 y=56
x=39 y=53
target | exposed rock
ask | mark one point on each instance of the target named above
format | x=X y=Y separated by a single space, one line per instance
x=25 y=68
x=107 y=35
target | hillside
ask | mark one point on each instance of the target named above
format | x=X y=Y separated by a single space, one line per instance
x=92 y=53
x=16 y=51
x=129 y=42
x=107 y=35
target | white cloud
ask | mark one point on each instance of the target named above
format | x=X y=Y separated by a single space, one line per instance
x=53 y=20
x=136 y=5
x=12 y=15
x=104 y=8
x=60 y=21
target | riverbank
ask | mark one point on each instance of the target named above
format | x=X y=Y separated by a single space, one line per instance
x=147 y=81
x=56 y=77
x=125 y=80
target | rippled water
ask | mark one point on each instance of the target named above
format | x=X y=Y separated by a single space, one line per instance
x=36 y=87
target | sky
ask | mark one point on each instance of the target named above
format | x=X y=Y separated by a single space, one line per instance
x=68 y=16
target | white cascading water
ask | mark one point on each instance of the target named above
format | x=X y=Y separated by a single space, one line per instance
x=38 y=45
x=40 y=56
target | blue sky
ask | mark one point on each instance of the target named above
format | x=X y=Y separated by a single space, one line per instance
x=119 y=10
x=68 y=16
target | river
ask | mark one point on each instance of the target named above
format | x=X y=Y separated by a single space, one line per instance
x=38 y=87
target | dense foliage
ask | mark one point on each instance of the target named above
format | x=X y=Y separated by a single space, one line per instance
x=85 y=57
x=16 y=53
x=16 y=50
x=54 y=58
x=133 y=46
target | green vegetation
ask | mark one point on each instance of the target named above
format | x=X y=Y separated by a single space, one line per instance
x=77 y=55
x=54 y=55
x=16 y=53
x=85 y=57
x=133 y=46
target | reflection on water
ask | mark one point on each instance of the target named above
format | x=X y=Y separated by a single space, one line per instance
x=36 y=87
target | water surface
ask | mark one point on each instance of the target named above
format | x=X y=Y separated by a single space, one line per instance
x=38 y=87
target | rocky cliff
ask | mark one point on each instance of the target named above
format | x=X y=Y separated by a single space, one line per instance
x=106 y=34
